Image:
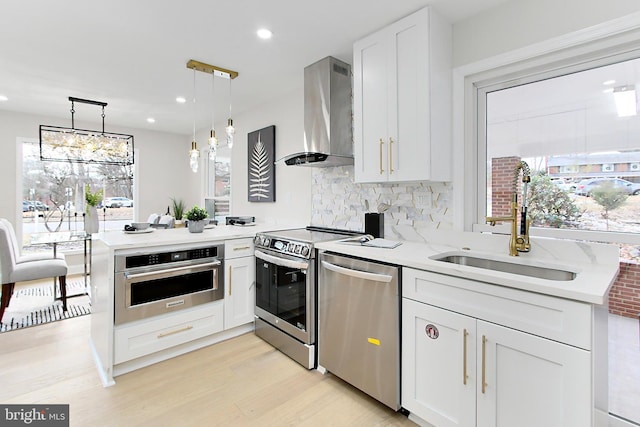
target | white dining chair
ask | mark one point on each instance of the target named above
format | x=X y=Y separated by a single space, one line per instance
x=15 y=267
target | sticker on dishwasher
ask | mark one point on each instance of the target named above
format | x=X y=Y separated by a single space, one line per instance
x=374 y=341
x=431 y=331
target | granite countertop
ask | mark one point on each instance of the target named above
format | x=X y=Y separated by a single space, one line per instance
x=596 y=265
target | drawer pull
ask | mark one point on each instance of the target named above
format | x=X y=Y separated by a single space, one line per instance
x=381 y=143
x=464 y=357
x=484 y=374
x=242 y=248
x=390 y=156
x=177 y=331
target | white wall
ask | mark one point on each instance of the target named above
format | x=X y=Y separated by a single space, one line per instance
x=518 y=23
x=159 y=175
x=293 y=184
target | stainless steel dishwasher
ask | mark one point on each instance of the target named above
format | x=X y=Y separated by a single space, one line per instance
x=359 y=324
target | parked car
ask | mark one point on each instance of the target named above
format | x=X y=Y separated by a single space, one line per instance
x=586 y=186
x=117 y=202
x=564 y=184
x=30 y=206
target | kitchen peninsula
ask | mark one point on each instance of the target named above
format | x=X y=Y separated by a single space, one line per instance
x=121 y=346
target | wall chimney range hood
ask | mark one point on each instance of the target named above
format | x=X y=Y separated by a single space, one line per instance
x=328 y=135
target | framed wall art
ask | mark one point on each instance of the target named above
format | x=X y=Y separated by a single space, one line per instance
x=261 y=179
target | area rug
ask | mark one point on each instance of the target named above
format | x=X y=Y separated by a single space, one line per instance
x=32 y=306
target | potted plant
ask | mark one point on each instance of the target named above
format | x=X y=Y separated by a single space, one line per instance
x=196 y=217
x=178 y=211
x=92 y=199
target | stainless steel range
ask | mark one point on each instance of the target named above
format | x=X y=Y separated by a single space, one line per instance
x=286 y=287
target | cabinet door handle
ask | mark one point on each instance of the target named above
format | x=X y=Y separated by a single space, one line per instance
x=381 y=143
x=484 y=373
x=390 y=156
x=230 y=279
x=464 y=357
x=177 y=331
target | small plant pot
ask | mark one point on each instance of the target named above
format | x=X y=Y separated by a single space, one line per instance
x=196 y=226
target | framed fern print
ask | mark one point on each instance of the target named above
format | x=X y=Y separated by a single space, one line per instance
x=261 y=168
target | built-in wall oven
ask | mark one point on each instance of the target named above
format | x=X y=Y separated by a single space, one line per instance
x=286 y=290
x=154 y=283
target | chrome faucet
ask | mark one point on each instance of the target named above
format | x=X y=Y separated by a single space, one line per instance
x=518 y=242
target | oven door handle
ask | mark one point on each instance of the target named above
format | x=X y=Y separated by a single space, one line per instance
x=281 y=261
x=159 y=274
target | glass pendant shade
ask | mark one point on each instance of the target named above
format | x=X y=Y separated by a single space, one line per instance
x=213 y=145
x=194 y=157
x=230 y=131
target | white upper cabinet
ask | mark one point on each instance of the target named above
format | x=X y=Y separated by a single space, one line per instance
x=402 y=101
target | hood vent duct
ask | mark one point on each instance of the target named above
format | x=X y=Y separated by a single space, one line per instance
x=328 y=132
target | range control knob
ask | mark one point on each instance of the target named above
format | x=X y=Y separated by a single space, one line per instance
x=305 y=250
x=257 y=240
x=266 y=242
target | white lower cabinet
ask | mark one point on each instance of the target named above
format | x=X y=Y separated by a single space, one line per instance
x=530 y=381
x=239 y=282
x=460 y=370
x=142 y=338
x=438 y=364
x=240 y=295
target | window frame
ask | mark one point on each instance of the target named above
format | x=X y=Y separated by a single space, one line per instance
x=609 y=42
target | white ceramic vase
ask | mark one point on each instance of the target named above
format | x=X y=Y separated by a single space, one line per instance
x=196 y=226
x=91 y=223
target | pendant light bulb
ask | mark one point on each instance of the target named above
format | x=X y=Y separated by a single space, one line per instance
x=194 y=156
x=230 y=131
x=213 y=145
x=213 y=140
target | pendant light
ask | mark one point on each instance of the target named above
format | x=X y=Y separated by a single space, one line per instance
x=213 y=141
x=194 y=154
x=230 y=130
x=215 y=71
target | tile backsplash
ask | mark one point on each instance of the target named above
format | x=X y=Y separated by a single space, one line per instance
x=338 y=202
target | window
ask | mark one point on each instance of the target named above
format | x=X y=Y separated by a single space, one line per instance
x=568 y=169
x=563 y=119
x=565 y=124
x=53 y=194
x=217 y=200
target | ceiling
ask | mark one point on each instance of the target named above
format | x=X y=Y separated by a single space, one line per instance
x=133 y=54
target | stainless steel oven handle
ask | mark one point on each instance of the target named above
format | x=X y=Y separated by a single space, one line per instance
x=281 y=261
x=357 y=273
x=171 y=271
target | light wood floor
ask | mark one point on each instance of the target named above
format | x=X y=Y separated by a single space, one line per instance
x=240 y=382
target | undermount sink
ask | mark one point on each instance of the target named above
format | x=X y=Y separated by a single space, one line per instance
x=508 y=267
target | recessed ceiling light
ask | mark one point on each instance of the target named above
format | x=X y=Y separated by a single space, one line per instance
x=264 y=34
x=3 y=98
x=181 y=100
x=608 y=82
x=151 y=120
